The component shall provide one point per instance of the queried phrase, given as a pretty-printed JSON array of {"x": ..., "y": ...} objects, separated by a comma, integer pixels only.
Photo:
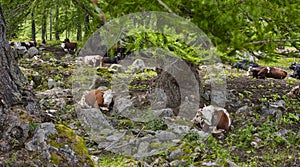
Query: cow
[
  {"x": 94, "y": 60},
  {"x": 244, "y": 64},
  {"x": 27, "y": 45},
  {"x": 296, "y": 67},
  {"x": 212, "y": 119},
  {"x": 112, "y": 60},
  {"x": 267, "y": 72},
  {"x": 69, "y": 46},
  {"x": 293, "y": 66},
  {"x": 94, "y": 98}
]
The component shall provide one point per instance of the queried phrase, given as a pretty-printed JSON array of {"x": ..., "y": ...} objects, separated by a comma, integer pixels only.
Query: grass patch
[{"x": 283, "y": 62}]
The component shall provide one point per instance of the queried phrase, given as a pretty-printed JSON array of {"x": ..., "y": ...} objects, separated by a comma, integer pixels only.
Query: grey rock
[
  {"x": 166, "y": 112},
  {"x": 93, "y": 121},
  {"x": 38, "y": 142},
  {"x": 243, "y": 109},
  {"x": 138, "y": 65},
  {"x": 51, "y": 83},
  {"x": 175, "y": 154},
  {"x": 33, "y": 51},
  {"x": 278, "y": 104},
  {"x": 69, "y": 154},
  {"x": 177, "y": 162},
  {"x": 115, "y": 137},
  {"x": 165, "y": 136},
  {"x": 60, "y": 84},
  {"x": 143, "y": 148},
  {"x": 231, "y": 164}
]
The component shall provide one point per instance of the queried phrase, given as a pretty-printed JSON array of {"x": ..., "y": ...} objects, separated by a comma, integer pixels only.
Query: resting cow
[
  {"x": 70, "y": 46},
  {"x": 244, "y": 64},
  {"x": 94, "y": 98},
  {"x": 112, "y": 60},
  {"x": 268, "y": 72},
  {"x": 296, "y": 67},
  {"x": 212, "y": 119}
]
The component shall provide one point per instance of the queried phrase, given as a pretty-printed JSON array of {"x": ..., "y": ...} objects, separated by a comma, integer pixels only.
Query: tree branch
[
  {"x": 165, "y": 6},
  {"x": 76, "y": 2}
]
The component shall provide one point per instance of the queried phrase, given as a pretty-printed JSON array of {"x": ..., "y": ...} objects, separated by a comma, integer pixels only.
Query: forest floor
[{"x": 255, "y": 138}]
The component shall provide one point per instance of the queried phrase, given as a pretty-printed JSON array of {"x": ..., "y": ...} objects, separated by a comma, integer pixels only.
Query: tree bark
[
  {"x": 11, "y": 77},
  {"x": 56, "y": 26},
  {"x": 13, "y": 97},
  {"x": 44, "y": 26},
  {"x": 50, "y": 26},
  {"x": 79, "y": 33},
  {"x": 86, "y": 25},
  {"x": 33, "y": 32}
]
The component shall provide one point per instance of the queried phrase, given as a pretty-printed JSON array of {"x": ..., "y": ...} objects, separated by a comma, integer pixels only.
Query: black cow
[
  {"x": 112, "y": 60},
  {"x": 293, "y": 65},
  {"x": 296, "y": 67},
  {"x": 28, "y": 44},
  {"x": 244, "y": 64}
]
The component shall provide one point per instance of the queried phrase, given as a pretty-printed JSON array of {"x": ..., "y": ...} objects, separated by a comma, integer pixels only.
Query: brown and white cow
[
  {"x": 69, "y": 46},
  {"x": 267, "y": 72},
  {"x": 94, "y": 98},
  {"x": 212, "y": 119}
]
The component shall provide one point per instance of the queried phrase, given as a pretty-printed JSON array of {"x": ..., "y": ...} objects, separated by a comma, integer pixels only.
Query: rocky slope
[{"x": 139, "y": 130}]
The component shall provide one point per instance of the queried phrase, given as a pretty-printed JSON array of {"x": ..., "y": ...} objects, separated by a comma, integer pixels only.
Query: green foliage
[{"x": 231, "y": 25}]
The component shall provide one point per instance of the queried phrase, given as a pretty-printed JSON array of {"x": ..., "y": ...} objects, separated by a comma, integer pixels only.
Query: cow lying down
[
  {"x": 296, "y": 67},
  {"x": 267, "y": 72},
  {"x": 212, "y": 119},
  {"x": 100, "y": 99}
]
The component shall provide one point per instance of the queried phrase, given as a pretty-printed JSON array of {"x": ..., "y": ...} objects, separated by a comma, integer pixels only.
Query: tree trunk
[
  {"x": 33, "y": 28},
  {"x": 14, "y": 98},
  {"x": 86, "y": 26},
  {"x": 79, "y": 29},
  {"x": 44, "y": 26},
  {"x": 79, "y": 33},
  {"x": 56, "y": 26},
  {"x": 51, "y": 21}
]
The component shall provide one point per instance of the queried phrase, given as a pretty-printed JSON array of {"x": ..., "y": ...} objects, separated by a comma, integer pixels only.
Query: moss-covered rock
[{"x": 64, "y": 139}]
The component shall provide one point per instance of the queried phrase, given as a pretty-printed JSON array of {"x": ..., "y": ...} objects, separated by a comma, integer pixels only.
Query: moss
[
  {"x": 67, "y": 136},
  {"x": 104, "y": 73},
  {"x": 116, "y": 161},
  {"x": 155, "y": 145},
  {"x": 55, "y": 159},
  {"x": 145, "y": 75},
  {"x": 125, "y": 124}
]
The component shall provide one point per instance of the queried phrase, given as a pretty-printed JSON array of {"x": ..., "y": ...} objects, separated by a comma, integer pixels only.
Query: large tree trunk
[
  {"x": 11, "y": 78},
  {"x": 14, "y": 98}
]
